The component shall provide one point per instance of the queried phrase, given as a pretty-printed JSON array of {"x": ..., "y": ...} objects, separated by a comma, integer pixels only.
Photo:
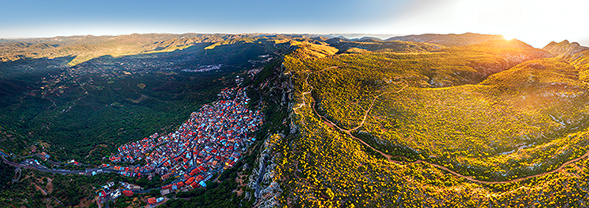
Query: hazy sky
[{"x": 535, "y": 22}]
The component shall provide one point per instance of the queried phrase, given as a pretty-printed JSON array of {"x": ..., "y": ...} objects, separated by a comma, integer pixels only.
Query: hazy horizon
[{"x": 536, "y": 23}]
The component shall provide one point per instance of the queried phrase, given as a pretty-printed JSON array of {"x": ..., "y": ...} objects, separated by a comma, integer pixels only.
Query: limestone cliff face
[{"x": 264, "y": 180}]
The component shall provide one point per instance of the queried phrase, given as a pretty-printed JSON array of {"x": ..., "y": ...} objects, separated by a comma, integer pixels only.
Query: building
[
  {"x": 151, "y": 201},
  {"x": 128, "y": 193}
]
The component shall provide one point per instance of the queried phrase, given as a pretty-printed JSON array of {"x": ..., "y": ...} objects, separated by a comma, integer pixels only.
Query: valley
[{"x": 266, "y": 120}]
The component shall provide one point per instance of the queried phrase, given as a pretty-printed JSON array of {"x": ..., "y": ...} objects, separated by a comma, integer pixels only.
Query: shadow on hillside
[
  {"x": 232, "y": 57},
  {"x": 18, "y": 76}
]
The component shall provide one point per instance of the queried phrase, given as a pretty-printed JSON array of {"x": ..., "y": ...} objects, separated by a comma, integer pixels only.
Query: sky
[{"x": 534, "y": 22}]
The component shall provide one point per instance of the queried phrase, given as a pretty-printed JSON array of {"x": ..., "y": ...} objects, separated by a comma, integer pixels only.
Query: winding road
[
  {"x": 60, "y": 171},
  {"x": 389, "y": 157}
]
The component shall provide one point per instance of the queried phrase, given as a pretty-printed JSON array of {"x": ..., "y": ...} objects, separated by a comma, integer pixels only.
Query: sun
[{"x": 508, "y": 36}]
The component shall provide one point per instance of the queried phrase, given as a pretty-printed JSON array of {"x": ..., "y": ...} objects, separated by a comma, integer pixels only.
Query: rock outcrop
[
  {"x": 565, "y": 49},
  {"x": 263, "y": 180},
  {"x": 574, "y": 53}
]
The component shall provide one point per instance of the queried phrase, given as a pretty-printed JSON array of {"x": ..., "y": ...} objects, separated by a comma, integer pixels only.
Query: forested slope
[{"x": 493, "y": 123}]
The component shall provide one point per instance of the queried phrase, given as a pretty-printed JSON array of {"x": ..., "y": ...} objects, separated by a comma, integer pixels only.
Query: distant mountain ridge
[
  {"x": 449, "y": 39},
  {"x": 371, "y": 44},
  {"x": 359, "y": 35},
  {"x": 84, "y": 48}
]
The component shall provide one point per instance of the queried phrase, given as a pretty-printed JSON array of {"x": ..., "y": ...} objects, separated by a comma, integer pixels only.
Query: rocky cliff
[{"x": 574, "y": 53}]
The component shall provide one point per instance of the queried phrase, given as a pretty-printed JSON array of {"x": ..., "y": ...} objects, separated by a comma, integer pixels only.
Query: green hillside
[{"x": 496, "y": 123}]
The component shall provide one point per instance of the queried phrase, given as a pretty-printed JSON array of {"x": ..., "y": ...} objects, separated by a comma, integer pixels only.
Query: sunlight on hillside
[{"x": 507, "y": 36}]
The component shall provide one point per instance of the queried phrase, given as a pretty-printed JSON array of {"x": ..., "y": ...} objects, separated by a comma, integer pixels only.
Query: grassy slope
[
  {"x": 527, "y": 103},
  {"x": 531, "y": 107}
]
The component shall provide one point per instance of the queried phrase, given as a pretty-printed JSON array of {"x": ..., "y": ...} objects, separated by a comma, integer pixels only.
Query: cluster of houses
[
  {"x": 153, "y": 200},
  {"x": 213, "y": 139},
  {"x": 44, "y": 156},
  {"x": 253, "y": 72},
  {"x": 204, "y": 68},
  {"x": 31, "y": 162},
  {"x": 109, "y": 192}
]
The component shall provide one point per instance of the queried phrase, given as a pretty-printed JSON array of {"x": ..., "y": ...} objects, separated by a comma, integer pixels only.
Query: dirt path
[
  {"x": 365, "y": 113},
  {"x": 389, "y": 157},
  {"x": 45, "y": 193}
]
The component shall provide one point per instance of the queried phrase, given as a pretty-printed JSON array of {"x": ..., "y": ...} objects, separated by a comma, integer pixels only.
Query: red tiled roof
[
  {"x": 128, "y": 193},
  {"x": 151, "y": 200}
]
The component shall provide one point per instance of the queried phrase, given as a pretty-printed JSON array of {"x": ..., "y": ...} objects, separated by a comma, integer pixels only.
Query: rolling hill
[{"x": 480, "y": 122}]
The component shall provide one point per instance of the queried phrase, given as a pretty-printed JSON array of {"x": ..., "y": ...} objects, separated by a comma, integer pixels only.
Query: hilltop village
[{"x": 213, "y": 139}]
